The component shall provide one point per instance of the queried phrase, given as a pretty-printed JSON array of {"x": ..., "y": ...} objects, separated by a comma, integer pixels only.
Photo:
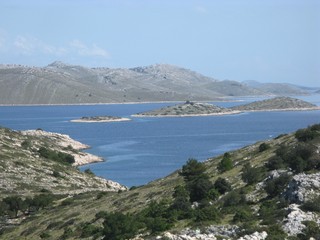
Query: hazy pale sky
[{"x": 267, "y": 41}]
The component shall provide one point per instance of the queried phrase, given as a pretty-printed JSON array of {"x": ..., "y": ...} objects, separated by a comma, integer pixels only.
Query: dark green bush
[
  {"x": 312, "y": 230},
  {"x": 243, "y": 214},
  {"x": 222, "y": 185},
  {"x": 208, "y": 213},
  {"x": 271, "y": 211},
  {"x": 234, "y": 198},
  {"x": 275, "y": 162},
  {"x": 56, "y": 156},
  {"x": 89, "y": 230},
  {"x": 192, "y": 170},
  {"x": 275, "y": 232},
  {"x": 277, "y": 185},
  {"x": 250, "y": 175},
  {"x": 118, "y": 226},
  {"x": 226, "y": 163},
  {"x": 263, "y": 147},
  {"x": 312, "y": 205},
  {"x": 308, "y": 134}
]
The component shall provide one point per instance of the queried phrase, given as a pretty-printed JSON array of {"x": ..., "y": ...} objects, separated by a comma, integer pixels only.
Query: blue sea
[{"x": 144, "y": 149}]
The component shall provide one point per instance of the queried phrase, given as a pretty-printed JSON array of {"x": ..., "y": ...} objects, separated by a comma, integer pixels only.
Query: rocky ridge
[{"x": 60, "y": 83}]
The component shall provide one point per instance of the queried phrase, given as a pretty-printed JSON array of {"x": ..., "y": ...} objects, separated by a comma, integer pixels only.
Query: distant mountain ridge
[{"x": 61, "y": 83}]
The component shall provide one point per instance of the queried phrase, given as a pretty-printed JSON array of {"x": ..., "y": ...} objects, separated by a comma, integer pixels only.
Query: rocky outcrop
[
  {"x": 293, "y": 223},
  {"x": 255, "y": 236},
  {"x": 213, "y": 233},
  {"x": 302, "y": 187},
  {"x": 68, "y": 144},
  {"x": 209, "y": 233}
]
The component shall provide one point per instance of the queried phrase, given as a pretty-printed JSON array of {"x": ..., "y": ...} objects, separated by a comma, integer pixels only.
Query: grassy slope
[{"x": 83, "y": 208}]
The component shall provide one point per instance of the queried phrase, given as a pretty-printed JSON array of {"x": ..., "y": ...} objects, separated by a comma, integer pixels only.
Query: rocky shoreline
[
  {"x": 195, "y": 109},
  {"x": 100, "y": 119},
  {"x": 69, "y": 145}
]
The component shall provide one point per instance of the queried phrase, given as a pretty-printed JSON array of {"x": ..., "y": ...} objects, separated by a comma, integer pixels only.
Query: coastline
[
  {"x": 190, "y": 115},
  {"x": 230, "y": 113},
  {"x": 69, "y": 145},
  {"x": 97, "y": 121},
  {"x": 220, "y": 99}
]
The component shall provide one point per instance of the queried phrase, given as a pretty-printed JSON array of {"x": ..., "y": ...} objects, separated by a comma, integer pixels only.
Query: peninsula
[
  {"x": 188, "y": 109},
  {"x": 101, "y": 119}
]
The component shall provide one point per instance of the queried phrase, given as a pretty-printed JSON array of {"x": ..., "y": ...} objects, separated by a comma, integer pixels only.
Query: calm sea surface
[{"x": 144, "y": 149}]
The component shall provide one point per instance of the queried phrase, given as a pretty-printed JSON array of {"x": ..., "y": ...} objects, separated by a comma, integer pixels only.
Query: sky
[{"x": 266, "y": 41}]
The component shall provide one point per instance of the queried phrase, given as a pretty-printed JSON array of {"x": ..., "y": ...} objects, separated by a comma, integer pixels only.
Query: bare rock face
[
  {"x": 210, "y": 233},
  {"x": 255, "y": 236},
  {"x": 293, "y": 223},
  {"x": 303, "y": 187}
]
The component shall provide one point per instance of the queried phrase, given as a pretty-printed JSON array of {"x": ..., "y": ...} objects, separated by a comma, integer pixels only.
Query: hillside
[
  {"x": 268, "y": 190},
  {"x": 277, "y": 103},
  {"x": 279, "y": 89},
  {"x": 60, "y": 83},
  {"x": 188, "y": 109},
  {"x": 30, "y": 162}
]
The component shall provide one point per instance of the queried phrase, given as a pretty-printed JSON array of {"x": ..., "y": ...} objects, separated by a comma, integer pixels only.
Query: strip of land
[
  {"x": 100, "y": 119},
  {"x": 190, "y": 109},
  {"x": 69, "y": 145}
]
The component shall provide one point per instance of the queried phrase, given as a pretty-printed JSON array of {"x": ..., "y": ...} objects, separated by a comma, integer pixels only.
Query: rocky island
[
  {"x": 188, "y": 109},
  {"x": 276, "y": 104},
  {"x": 101, "y": 119}
]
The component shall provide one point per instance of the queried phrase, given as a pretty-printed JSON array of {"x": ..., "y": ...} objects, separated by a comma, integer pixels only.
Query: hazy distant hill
[
  {"x": 277, "y": 88},
  {"x": 60, "y": 83}
]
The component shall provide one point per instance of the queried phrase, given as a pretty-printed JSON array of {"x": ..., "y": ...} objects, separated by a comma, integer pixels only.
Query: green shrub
[
  {"x": 208, "y": 213},
  {"x": 118, "y": 226},
  {"x": 192, "y": 170},
  {"x": 234, "y": 198},
  {"x": 26, "y": 144},
  {"x": 222, "y": 185},
  {"x": 271, "y": 211},
  {"x": 226, "y": 163},
  {"x": 275, "y": 162},
  {"x": 308, "y": 134},
  {"x": 312, "y": 205},
  {"x": 199, "y": 188},
  {"x": 89, "y": 230},
  {"x": 250, "y": 175},
  {"x": 56, "y": 156},
  {"x": 45, "y": 235},
  {"x": 312, "y": 230},
  {"x": 243, "y": 214},
  {"x": 277, "y": 185},
  {"x": 263, "y": 147},
  {"x": 89, "y": 172},
  {"x": 275, "y": 232}
]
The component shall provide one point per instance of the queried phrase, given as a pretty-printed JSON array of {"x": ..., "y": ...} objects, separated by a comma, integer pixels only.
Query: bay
[{"x": 144, "y": 149}]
